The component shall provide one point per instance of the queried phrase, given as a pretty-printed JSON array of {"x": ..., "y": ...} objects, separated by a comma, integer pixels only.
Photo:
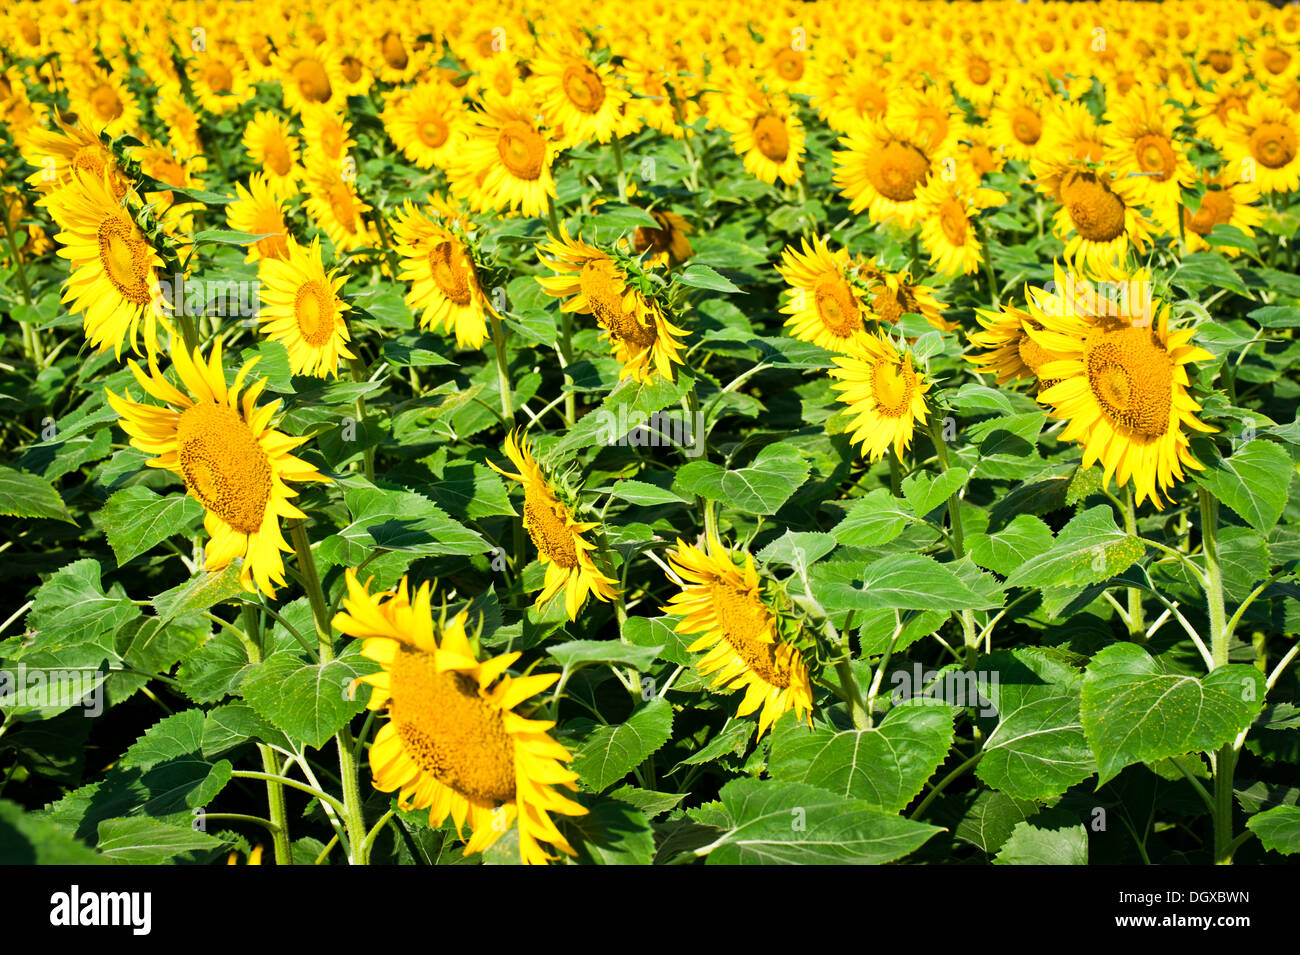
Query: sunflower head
[
  {"x": 884, "y": 392},
  {"x": 456, "y": 741}
]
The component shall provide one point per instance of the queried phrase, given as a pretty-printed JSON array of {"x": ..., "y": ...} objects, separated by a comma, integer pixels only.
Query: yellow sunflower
[
  {"x": 445, "y": 288},
  {"x": 1218, "y": 111},
  {"x": 305, "y": 77},
  {"x": 258, "y": 211},
  {"x": 221, "y": 84},
  {"x": 506, "y": 160},
  {"x": 269, "y": 143},
  {"x": 1016, "y": 122},
  {"x": 1009, "y": 352},
  {"x": 826, "y": 301},
  {"x": 768, "y": 137},
  {"x": 667, "y": 245},
  {"x": 64, "y": 154},
  {"x": 724, "y": 603},
  {"x": 948, "y": 214},
  {"x": 454, "y": 743},
  {"x": 592, "y": 282},
  {"x": 1264, "y": 144},
  {"x": 894, "y": 294},
  {"x": 1226, "y": 201},
  {"x": 231, "y": 460},
  {"x": 425, "y": 122},
  {"x": 577, "y": 95},
  {"x": 879, "y": 171},
  {"x": 302, "y": 310},
  {"x": 557, "y": 535},
  {"x": 1099, "y": 219},
  {"x": 104, "y": 104},
  {"x": 884, "y": 393},
  {"x": 1145, "y": 147},
  {"x": 326, "y": 133},
  {"x": 114, "y": 279},
  {"x": 1120, "y": 381},
  {"x": 334, "y": 206}
]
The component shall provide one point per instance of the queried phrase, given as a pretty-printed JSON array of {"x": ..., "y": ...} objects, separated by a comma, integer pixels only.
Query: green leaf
[
  {"x": 873, "y": 520},
  {"x": 1061, "y": 843},
  {"x": 26, "y": 495},
  {"x": 229, "y": 237},
  {"x": 170, "y": 738},
  {"x": 798, "y": 549},
  {"x": 72, "y": 610},
  {"x": 578, "y": 653},
  {"x": 647, "y": 495},
  {"x": 1253, "y": 482},
  {"x": 1135, "y": 712},
  {"x": 611, "y": 833},
  {"x": 788, "y": 823},
  {"x": 307, "y": 701},
  {"x": 611, "y": 752},
  {"x": 140, "y": 841},
  {"x": 1277, "y": 316},
  {"x": 205, "y": 589},
  {"x": 1089, "y": 549},
  {"x": 924, "y": 492},
  {"x": 1278, "y": 829},
  {"x": 1038, "y": 749},
  {"x": 400, "y": 521},
  {"x": 992, "y": 817},
  {"x": 136, "y": 518},
  {"x": 702, "y": 276},
  {"x": 1200, "y": 269},
  {"x": 885, "y": 766},
  {"x": 759, "y": 488},
  {"x": 28, "y": 839},
  {"x": 899, "y": 581},
  {"x": 1022, "y": 541}
]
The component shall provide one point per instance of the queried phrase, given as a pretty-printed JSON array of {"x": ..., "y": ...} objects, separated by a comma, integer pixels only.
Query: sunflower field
[{"x": 491, "y": 431}]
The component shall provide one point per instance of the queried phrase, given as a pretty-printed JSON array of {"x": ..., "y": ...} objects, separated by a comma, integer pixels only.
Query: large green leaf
[
  {"x": 397, "y": 520},
  {"x": 27, "y": 495},
  {"x": 759, "y": 488},
  {"x": 1278, "y": 829},
  {"x": 136, "y": 518},
  {"x": 1253, "y": 482},
  {"x": 901, "y": 582},
  {"x": 1089, "y": 549},
  {"x": 307, "y": 701},
  {"x": 611, "y": 752},
  {"x": 142, "y": 841}
]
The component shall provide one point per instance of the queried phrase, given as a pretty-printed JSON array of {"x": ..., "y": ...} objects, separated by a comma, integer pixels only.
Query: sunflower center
[
  {"x": 1032, "y": 353},
  {"x": 583, "y": 87},
  {"x": 31, "y": 33},
  {"x": 604, "y": 290},
  {"x": 952, "y": 219},
  {"x": 344, "y": 205},
  {"x": 522, "y": 149},
  {"x": 352, "y": 69},
  {"x": 1229, "y": 104},
  {"x": 978, "y": 70},
  {"x": 744, "y": 620},
  {"x": 896, "y": 170},
  {"x": 771, "y": 137},
  {"x": 838, "y": 308},
  {"x": 1155, "y": 155},
  {"x": 1026, "y": 126},
  {"x": 450, "y": 731},
  {"x": 433, "y": 132},
  {"x": 651, "y": 240},
  {"x": 892, "y": 386},
  {"x": 483, "y": 42},
  {"x": 1276, "y": 60},
  {"x": 1216, "y": 208},
  {"x": 331, "y": 140},
  {"x": 125, "y": 256},
  {"x": 219, "y": 78},
  {"x": 549, "y": 530},
  {"x": 1097, "y": 213},
  {"x": 313, "y": 82},
  {"x": 224, "y": 464},
  {"x": 106, "y": 103},
  {"x": 276, "y": 156},
  {"x": 789, "y": 64},
  {"x": 871, "y": 102},
  {"x": 1220, "y": 61},
  {"x": 1132, "y": 379},
  {"x": 503, "y": 82},
  {"x": 393, "y": 52},
  {"x": 313, "y": 310},
  {"x": 452, "y": 271},
  {"x": 1274, "y": 144}
]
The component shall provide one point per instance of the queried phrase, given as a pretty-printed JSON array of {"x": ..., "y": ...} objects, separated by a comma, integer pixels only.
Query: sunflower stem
[
  {"x": 987, "y": 259},
  {"x": 1137, "y": 624},
  {"x": 970, "y": 635},
  {"x": 368, "y": 455},
  {"x": 503, "y": 369},
  {"x": 31, "y": 337},
  {"x": 622, "y": 175},
  {"x": 279, "y": 823},
  {"x": 1225, "y": 760}
]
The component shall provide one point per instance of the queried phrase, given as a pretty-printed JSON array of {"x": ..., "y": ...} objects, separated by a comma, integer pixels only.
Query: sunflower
[
  {"x": 437, "y": 261},
  {"x": 667, "y": 245},
  {"x": 931, "y": 117},
  {"x": 1016, "y": 123},
  {"x": 334, "y": 206},
  {"x": 847, "y": 99},
  {"x": 880, "y": 171},
  {"x": 577, "y": 95},
  {"x": 1144, "y": 147},
  {"x": 454, "y": 743},
  {"x": 220, "y": 84},
  {"x": 948, "y": 228},
  {"x": 63, "y": 155},
  {"x": 114, "y": 269},
  {"x": 1218, "y": 111},
  {"x": 592, "y": 282},
  {"x": 885, "y": 395},
  {"x": 326, "y": 133},
  {"x": 1010, "y": 353},
  {"x": 561, "y": 548},
  {"x": 894, "y": 294},
  {"x": 231, "y": 460},
  {"x": 1099, "y": 219},
  {"x": 258, "y": 211},
  {"x": 270, "y": 144},
  {"x": 1226, "y": 201},
  {"x": 425, "y": 123},
  {"x": 826, "y": 302},
  {"x": 1071, "y": 138},
  {"x": 724, "y": 603},
  {"x": 305, "y": 77},
  {"x": 302, "y": 310},
  {"x": 1120, "y": 383},
  {"x": 768, "y": 137},
  {"x": 104, "y": 104},
  {"x": 1264, "y": 143},
  {"x": 976, "y": 73},
  {"x": 506, "y": 160},
  {"x": 394, "y": 56},
  {"x": 181, "y": 124}
]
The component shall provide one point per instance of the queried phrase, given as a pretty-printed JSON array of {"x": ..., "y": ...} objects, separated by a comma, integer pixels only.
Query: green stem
[
  {"x": 934, "y": 793},
  {"x": 970, "y": 636},
  {"x": 274, "y": 789},
  {"x": 1225, "y": 760},
  {"x": 622, "y": 176},
  {"x": 368, "y": 456},
  {"x": 503, "y": 369},
  {"x": 1137, "y": 624},
  {"x": 857, "y": 708}
]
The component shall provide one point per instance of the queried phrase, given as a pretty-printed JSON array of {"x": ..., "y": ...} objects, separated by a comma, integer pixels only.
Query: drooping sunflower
[
  {"x": 335, "y": 206},
  {"x": 725, "y": 604},
  {"x": 1227, "y": 200},
  {"x": 592, "y": 282},
  {"x": 114, "y": 274},
  {"x": 895, "y": 294},
  {"x": 826, "y": 304},
  {"x": 1009, "y": 351},
  {"x": 231, "y": 460},
  {"x": 455, "y": 743},
  {"x": 257, "y": 210},
  {"x": 1120, "y": 381},
  {"x": 302, "y": 310},
  {"x": 885, "y": 395},
  {"x": 269, "y": 142},
  {"x": 667, "y": 245},
  {"x": 1100, "y": 219},
  {"x": 879, "y": 171},
  {"x": 435, "y": 259},
  {"x": 576, "y": 94},
  {"x": 1264, "y": 144},
  {"x": 557, "y": 535},
  {"x": 506, "y": 160}
]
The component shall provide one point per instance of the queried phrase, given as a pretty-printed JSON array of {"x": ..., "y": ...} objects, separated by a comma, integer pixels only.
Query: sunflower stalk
[
  {"x": 970, "y": 636},
  {"x": 622, "y": 173},
  {"x": 1137, "y": 624},
  {"x": 1225, "y": 760},
  {"x": 252, "y": 632},
  {"x": 368, "y": 455}
]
